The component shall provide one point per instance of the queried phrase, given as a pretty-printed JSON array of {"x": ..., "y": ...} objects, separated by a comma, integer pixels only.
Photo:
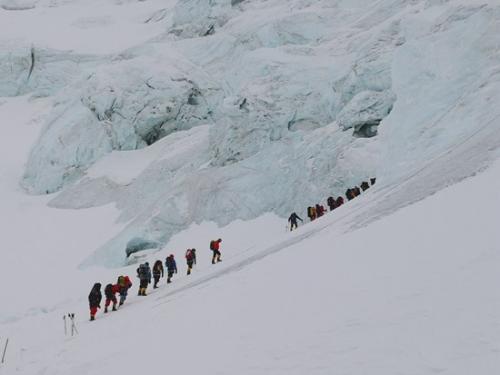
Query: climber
[
  {"x": 144, "y": 275},
  {"x": 293, "y": 220},
  {"x": 364, "y": 186},
  {"x": 310, "y": 213},
  {"x": 110, "y": 292},
  {"x": 157, "y": 273},
  {"x": 349, "y": 194},
  {"x": 339, "y": 202},
  {"x": 357, "y": 191},
  {"x": 320, "y": 210},
  {"x": 331, "y": 203},
  {"x": 125, "y": 284},
  {"x": 95, "y": 297},
  {"x": 171, "y": 267},
  {"x": 215, "y": 247},
  {"x": 190, "y": 259}
]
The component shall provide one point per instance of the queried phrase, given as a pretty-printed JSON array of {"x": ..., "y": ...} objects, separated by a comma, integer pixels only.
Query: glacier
[{"x": 271, "y": 106}]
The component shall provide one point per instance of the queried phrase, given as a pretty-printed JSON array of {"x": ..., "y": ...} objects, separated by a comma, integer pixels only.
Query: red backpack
[{"x": 189, "y": 254}]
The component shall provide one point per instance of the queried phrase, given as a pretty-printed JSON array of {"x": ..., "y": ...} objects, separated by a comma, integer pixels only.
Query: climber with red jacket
[
  {"x": 215, "y": 247},
  {"x": 190, "y": 259},
  {"x": 110, "y": 292}
]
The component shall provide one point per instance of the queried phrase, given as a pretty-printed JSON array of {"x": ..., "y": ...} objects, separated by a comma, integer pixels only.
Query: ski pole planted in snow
[
  {"x": 5, "y": 350},
  {"x": 73, "y": 324}
]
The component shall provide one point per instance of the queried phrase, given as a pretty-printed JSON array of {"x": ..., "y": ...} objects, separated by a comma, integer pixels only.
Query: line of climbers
[
  {"x": 145, "y": 274},
  {"x": 318, "y": 210}
]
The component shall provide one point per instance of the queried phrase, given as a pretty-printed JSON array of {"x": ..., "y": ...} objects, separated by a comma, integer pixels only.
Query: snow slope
[{"x": 410, "y": 293}]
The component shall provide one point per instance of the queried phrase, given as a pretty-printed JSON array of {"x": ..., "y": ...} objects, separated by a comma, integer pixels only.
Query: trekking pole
[
  {"x": 65, "y": 326},
  {"x": 5, "y": 350},
  {"x": 73, "y": 324}
]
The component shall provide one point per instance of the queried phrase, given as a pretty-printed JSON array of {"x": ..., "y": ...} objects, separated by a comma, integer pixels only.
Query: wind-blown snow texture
[{"x": 280, "y": 96}]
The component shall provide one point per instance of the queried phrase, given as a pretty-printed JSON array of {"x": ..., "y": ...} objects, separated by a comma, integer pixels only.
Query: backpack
[
  {"x": 121, "y": 281},
  {"x": 212, "y": 245},
  {"x": 170, "y": 263},
  {"x": 127, "y": 283},
  {"x": 189, "y": 254},
  {"x": 158, "y": 266},
  {"x": 108, "y": 290},
  {"x": 142, "y": 270}
]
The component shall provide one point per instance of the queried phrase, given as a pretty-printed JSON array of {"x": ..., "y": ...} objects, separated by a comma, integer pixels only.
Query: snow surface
[
  {"x": 181, "y": 122},
  {"x": 411, "y": 293}
]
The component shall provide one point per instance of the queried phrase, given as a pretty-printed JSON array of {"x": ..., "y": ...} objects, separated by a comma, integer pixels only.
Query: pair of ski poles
[{"x": 71, "y": 317}]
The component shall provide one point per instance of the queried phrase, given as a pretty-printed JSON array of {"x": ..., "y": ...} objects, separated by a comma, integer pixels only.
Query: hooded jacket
[{"x": 95, "y": 295}]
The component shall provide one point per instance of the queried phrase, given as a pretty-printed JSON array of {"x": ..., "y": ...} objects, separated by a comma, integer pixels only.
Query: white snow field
[{"x": 166, "y": 124}]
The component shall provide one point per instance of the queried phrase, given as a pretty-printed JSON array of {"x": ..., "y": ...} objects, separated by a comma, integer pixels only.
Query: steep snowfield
[
  {"x": 176, "y": 122},
  {"x": 410, "y": 293}
]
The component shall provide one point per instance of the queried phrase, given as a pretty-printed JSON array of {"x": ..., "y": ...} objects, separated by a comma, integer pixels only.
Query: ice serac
[
  {"x": 194, "y": 18},
  {"x": 365, "y": 112},
  {"x": 72, "y": 141},
  {"x": 127, "y": 104},
  {"x": 40, "y": 71}
]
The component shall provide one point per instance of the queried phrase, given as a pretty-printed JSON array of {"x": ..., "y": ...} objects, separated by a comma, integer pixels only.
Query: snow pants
[
  {"x": 123, "y": 296},
  {"x": 156, "y": 279},
  {"x": 170, "y": 273},
  {"x": 109, "y": 300},
  {"x": 190, "y": 266},
  {"x": 216, "y": 256}
]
